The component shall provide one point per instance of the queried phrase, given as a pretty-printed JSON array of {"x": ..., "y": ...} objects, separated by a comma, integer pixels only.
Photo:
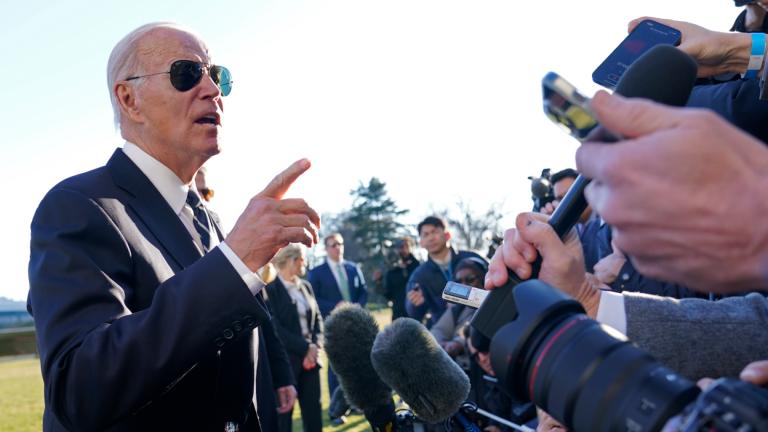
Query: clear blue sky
[{"x": 439, "y": 99}]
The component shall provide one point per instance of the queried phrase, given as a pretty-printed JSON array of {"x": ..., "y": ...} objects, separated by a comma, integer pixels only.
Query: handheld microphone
[
  {"x": 408, "y": 358},
  {"x": 665, "y": 75},
  {"x": 349, "y": 335}
]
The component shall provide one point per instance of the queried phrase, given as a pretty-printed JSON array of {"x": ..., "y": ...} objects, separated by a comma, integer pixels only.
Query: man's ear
[
  {"x": 447, "y": 235},
  {"x": 127, "y": 100}
]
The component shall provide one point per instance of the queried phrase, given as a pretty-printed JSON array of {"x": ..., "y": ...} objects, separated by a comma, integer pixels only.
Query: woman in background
[{"x": 297, "y": 318}]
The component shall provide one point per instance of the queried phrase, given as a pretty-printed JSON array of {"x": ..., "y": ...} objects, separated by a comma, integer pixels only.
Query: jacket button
[
  {"x": 219, "y": 342},
  {"x": 237, "y": 327},
  {"x": 228, "y": 334}
]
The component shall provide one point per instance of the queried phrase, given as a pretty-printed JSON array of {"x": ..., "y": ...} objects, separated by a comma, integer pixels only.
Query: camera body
[
  {"x": 589, "y": 377},
  {"x": 541, "y": 189}
]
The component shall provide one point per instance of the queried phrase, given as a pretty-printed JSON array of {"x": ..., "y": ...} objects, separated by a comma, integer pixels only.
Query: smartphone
[
  {"x": 569, "y": 109},
  {"x": 455, "y": 292},
  {"x": 645, "y": 36},
  {"x": 566, "y": 107}
]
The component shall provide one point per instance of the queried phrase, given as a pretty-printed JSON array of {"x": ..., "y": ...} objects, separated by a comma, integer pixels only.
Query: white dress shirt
[
  {"x": 174, "y": 192},
  {"x": 611, "y": 311}
]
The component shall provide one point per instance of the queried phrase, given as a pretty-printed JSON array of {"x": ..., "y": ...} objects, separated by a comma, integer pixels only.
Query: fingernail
[{"x": 748, "y": 374}]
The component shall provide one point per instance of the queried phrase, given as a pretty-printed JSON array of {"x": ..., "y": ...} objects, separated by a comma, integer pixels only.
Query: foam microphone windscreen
[
  {"x": 408, "y": 358},
  {"x": 664, "y": 74},
  {"x": 349, "y": 334}
]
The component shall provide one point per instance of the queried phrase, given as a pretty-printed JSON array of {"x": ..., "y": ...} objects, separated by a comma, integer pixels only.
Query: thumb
[
  {"x": 280, "y": 184},
  {"x": 634, "y": 23},
  {"x": 756, "y": 372}
]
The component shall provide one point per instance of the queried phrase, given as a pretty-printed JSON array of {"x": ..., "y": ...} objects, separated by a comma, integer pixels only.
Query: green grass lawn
[{"x": 21, "y": 395}]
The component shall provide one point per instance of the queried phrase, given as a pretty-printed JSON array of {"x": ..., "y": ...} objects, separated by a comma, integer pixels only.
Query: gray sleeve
[
  {"x": 444, "y": 328},
  {"x": 699, "y": 338}
]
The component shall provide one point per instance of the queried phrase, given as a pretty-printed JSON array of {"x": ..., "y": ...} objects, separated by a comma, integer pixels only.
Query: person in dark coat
[
  {"x": 299, "y": 324},
  {"x": 396, "y": 279}
]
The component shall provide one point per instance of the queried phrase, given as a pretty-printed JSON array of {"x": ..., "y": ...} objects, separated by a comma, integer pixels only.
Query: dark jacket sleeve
[
  {"x": 102, "y": 361},
  {"x": 629, "y": 279},
  {"x": 736, "y": 101},
  {"x": 279, "y": 365},
  {"x": 415, "y": 312},
  {"x": 318, "y": 330}
]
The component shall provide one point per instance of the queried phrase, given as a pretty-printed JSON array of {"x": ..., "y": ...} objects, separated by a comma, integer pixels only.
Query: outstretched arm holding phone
[{"x": 715, "y": 52}]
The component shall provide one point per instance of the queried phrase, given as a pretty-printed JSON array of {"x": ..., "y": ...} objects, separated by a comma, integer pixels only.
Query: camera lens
[{"x": 584, "y": 374}]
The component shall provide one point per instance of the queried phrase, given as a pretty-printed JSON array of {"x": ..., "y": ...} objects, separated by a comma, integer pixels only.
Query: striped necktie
[{"x": 201, "y": 221}]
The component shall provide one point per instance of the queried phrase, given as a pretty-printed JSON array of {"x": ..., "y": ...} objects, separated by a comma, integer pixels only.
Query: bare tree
[{"x": 473, "y": 230}]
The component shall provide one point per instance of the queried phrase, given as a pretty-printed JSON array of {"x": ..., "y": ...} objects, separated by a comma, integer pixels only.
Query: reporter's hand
[
  {"x": 286, "y": 397},
  {"x": 308, "y": 364},
  {"x": 756, "y": 373},
  {"x": 547, "y": 423},
  {"x": 416, "y": 297},
  {"x": 549, "y": 207},
  {"x": 715, "y": 52},
  {"x": 708, "y": 185},
  {"x": 607, "y": 269},
  {"x": 312, "y": 353},
  {"x": 453, "y": 348},
  {"x": 562, "y": 263},
  {"x": 270, "y": 222}
]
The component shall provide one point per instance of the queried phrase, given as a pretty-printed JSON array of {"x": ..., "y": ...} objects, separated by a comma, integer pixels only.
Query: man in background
[{"x": 336, "y": 281}]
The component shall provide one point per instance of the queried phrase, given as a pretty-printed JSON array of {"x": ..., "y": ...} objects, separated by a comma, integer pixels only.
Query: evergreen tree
[{"x": 373, "y": 219}]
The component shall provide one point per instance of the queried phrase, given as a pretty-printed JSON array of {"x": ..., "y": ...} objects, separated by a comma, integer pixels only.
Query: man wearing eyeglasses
[{"x": 145, "y": 312}]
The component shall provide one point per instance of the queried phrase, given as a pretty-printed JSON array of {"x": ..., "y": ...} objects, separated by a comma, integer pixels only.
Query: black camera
[
  {"x": 590, "y": 378},
  {"x": 541, "y": 189}
]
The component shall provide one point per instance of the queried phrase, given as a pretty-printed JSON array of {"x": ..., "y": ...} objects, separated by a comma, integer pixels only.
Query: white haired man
[{"x": 145, "y": 312}]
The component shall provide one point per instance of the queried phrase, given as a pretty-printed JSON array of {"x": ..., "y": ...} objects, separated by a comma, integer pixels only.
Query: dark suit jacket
[
  {"x": 273, "y": 371},
  {"x": 286, "y": 320},
  {"x": 327, "y": 289},
  {"x": 395, "y": 282},
  {"x": 136, "y": 331}
]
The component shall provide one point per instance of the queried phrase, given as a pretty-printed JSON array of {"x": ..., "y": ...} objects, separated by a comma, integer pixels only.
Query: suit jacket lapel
[
  {"x": 216, "y": 222},
  {"x": 153, "y": 210}
]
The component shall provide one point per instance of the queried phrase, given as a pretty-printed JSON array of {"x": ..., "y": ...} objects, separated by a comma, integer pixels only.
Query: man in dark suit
[
  {"x": 336, "y": 281},
  {"x": 145, "y": 313}
]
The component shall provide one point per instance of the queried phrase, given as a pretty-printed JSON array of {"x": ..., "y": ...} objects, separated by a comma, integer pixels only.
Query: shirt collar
[{"x": 170, "y": 186}]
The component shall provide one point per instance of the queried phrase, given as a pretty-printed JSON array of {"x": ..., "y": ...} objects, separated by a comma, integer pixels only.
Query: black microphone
[
  {"x": 663, "y": 74},
  {"x": 349, "y": 334},
  {"x": 408, "y": 358}
]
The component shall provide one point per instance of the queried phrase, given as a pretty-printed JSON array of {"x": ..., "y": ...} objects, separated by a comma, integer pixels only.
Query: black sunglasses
[{"x": 186, "y": 74}]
